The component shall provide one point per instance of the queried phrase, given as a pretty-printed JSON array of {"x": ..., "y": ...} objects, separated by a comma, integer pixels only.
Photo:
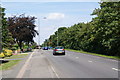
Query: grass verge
[
  {"x": 111, "y": 57},
  {"x": 16, "y": 56},
  {"x": 8, "y": 64}
]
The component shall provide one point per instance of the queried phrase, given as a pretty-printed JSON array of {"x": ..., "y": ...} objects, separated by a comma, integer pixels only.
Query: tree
[
  {"x": 6, "y": 37},
  {"x": 22, "y": 29},
  {"x": 106, "y": 27},
  {"x": 101, "y": 35}
]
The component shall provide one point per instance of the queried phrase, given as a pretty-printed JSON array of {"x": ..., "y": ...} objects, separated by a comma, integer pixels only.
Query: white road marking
[
  {"x": 51, "y": 65},
  {"x": 22, "y": 71},
  {"x": 50, "y": 71},
  {"x": 54, "y": 71},
  {"x": 115, "y": 60},
  {"x": 90, "y": 61},
  {"x": 115, "y": 69},
  {"x": 76, "y": 57}
]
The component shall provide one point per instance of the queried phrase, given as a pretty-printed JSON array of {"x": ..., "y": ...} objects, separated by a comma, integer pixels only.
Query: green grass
[
  {"x": 112, "y": 57},
  {"x": 8, "y": 65},
  {"x": 11, "y": 63},
  {"x": 16, "y": 56}
]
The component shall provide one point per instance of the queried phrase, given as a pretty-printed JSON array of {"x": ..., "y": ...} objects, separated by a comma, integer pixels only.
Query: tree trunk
[
  {"x": 28, "y": 44},
  {"x": 20, "y": 45}
]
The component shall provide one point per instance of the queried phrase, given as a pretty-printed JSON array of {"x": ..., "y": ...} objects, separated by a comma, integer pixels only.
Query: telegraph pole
[
  {"x": 38, "y": 32},
  {"x": 39, "y": 29}
]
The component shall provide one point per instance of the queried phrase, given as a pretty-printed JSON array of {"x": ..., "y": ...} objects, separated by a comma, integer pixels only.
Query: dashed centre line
[
  {"x": 76, "y": 57},
  {"x": 90, "y": 61},
  {"x": 115, "y": 69},
  {"x": 115, "y": 60}
]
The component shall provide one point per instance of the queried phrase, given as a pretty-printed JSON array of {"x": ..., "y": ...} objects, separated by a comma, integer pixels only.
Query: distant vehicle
[
  {"x": 29, "y": 49},
  {"x": 59, "y": 50},
  {"x": 50, "y": 47},
  {"x": 37, "y": 47},
  {"x": 45, "y": 48}
]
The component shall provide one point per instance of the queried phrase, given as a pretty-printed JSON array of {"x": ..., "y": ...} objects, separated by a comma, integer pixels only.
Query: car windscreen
[{"x": 59, "y": 48}]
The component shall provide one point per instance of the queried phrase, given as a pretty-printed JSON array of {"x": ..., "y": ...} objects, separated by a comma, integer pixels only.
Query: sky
[
  {"x": 51, "y": 0},
  {"x": 51, "y": 15}
]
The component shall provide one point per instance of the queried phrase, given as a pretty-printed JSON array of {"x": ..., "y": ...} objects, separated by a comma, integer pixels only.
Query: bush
[
  {"x": 13, "y": 48},
  {"x": 2, "y": 55},
  {"x": 7, "y": 52}
]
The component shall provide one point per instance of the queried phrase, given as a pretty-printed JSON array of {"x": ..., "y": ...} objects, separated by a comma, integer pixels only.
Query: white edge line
[{"x": 22, "y": 71}]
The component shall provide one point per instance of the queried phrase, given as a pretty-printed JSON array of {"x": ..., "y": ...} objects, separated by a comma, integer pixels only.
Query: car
[
  {"x": 50, "y": 47},
  {"x": 45, "y": 48},
  {"x": 29, "y": 49},
  {"x": 59, "y": 50}
]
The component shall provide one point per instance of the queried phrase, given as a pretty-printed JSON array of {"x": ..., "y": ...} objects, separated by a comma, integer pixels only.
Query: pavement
[
  {"x": 12, "y": 72},
  {"x": 43, "y": 64}
]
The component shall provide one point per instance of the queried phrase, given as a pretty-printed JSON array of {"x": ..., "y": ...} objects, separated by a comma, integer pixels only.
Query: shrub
[
  {"x": 2, "y": 55},
  {"x": 7, "y": 52}
]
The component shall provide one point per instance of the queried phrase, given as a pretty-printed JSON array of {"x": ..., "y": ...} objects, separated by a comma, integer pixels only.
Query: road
[
  {"x": 76, "y": 65},
  {"x": 42, "y": 64}
]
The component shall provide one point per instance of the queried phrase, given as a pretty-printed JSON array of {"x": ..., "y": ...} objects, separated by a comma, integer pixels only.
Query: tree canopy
[
  {"x": 22, "y": 28},
  {"x": 101, "y": 35},
  {"x": 6, "y": 37}
]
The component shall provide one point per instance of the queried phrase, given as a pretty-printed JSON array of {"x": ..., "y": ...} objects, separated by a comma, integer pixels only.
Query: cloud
[{"x": 55, "y": 16}]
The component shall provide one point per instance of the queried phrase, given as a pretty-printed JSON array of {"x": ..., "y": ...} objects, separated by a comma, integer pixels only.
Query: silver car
[{"x": 59, "y": 50}]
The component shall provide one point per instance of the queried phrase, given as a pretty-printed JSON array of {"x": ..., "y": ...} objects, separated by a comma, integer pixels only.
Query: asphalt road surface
[
  {"x": 43, "y": 64},
  {"x": 77, "y": 65}
]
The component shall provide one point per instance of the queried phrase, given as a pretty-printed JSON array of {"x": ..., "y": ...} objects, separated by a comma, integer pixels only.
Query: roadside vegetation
[
  {"x": 100, "y": 36},
  {"x": 10, "y": 63},
  {"x": 16, "y": 56},
  {"x": 95, "y": 54},
  {"x": 16, "y": 34}
]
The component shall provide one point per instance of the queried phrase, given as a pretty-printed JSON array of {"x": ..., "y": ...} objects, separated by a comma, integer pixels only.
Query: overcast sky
[{"x": 57, "y": 13}]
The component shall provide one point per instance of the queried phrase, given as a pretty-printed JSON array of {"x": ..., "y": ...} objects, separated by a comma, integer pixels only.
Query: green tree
[
  {"x": 106, "y": 27},
  {"x": 101, "y": 35},
  {"x": 6, "y": 37}
]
